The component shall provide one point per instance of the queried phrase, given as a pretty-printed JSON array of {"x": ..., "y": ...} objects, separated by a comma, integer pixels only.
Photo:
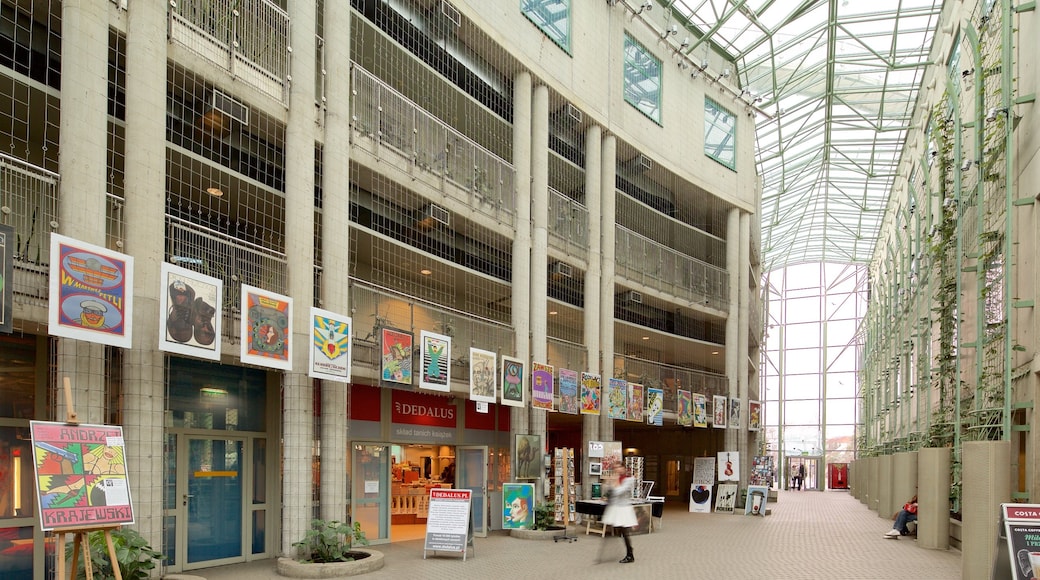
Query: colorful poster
[
  {"x": 189, "y": 312},
  {"x": 517, "y": 506},
  {"x": 700, "y": 498},
  {"x": 80, "y": 475},
  {"x": 266, "y": 328},
  {"x": 762, "y": 471},
  {"x": 529, "y": 453},
  {"x": 542, "y": 386},
  {"x": 729, "y": 466},
  {"x": 700, "y": 410},
  {"x": 734, "y": 413},
  {"x": 513, "y": 392},
  {"x": 718, "y": 411},
  {"x": 726, "y": 498},
  {"x": 635, "y": 402},
  {"x": 436, "y": 361},
  {"x": 91, "y": 292},
  {"x": 590, "y": 394},
  {"x": 684, "y": 414},
  {"x": 569, "y": 391},
  {"x": 611, "y": 459},
  {"x": 331, "y": 346},
  {"x": 7, "y": 244},
  {"x": 483, "y": 367},
  {"x": 396, "y": 356},
  {"x": 754, "y": 416},
  {"x": 655, "y": 406},
  {"x": 617, "y": 399},
  {"x": 755, "y": 504}
]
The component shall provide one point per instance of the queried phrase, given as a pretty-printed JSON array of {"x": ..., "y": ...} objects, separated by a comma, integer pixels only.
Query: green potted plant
[
  {"x": 330, "y": 549},
  {"x": 545, "y": 527},
  {"x": 134, "y": 556}
]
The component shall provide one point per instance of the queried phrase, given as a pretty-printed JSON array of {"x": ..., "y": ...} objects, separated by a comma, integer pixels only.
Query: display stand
[{"x": 564, "y": 493}]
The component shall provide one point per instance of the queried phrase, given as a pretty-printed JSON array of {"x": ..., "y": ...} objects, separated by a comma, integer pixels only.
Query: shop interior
[{"x": 417, "y": 468}]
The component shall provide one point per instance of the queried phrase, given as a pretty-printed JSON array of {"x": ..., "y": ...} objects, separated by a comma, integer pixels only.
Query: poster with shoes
[
  {"x": 189, "y": 311},
  {"x": 266, "y": 328}
]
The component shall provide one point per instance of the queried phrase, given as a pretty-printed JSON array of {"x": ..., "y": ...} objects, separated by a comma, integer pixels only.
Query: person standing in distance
[{"x": 801, "y": 476}]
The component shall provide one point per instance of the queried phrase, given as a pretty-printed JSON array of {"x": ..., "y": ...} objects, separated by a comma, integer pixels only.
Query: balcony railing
[
  {"x": 386, "y": 118},
  {"x": 568, "y": 224},
  {"x": 248, "y": 38},
  {"x": 670, "y": 378},
  {"x": 655, "y": 265},
  {"x": 29, "y": 204}
]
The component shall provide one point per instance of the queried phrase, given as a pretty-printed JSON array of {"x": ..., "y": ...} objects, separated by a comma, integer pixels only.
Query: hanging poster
[
  {"x": 542, "y": 388},
  {"x": 513, "y": 391},
  {"x": 91, "y": 292},
  {"x": 734, "y": 413},
  {"x": 483, "y": 368},
  {"x": 754, "y": 416},
  {"x": 729, "y": 466},
  {"x": 396, "y": 356},
  {"x": 331, "y": 346},
  {"x": 529, "y": 454},
  {"x": 189, "y": 318},
  {"x": 635, "y": 402},
  {"x": 590, "y": 394},
  {"x": 755, "y": 503},
  {"x": 655, "y": 406},
  {"x": 81, "y": 475},
  {"x": 617, "y": 399},
  {"x": 684, "y": 415},
  {"x": 517, "y": 506},
  {"x": 611, "y": 459},
  {"x": 726, "y": 497},
  {"x": 436, "y": 361},
  {"x": 700, "y": 410},
  {"x": 569, "y": 391},
  {"x": 266, "y": 328},
  {"x": 7, "y": 244},
  {"x": 719, "y": 411}
]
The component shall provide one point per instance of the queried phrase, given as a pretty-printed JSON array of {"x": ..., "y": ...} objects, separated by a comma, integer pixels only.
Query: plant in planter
[
  {"x": 544, "y": 518},
  {"x": 133, "y": 554},
  {"x": 331, "y": 541}
]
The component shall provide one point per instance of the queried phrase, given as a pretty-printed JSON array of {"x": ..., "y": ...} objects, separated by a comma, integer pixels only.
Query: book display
[
  {"x": 563, "y": 490},
  {"x": 635, "y": 469}
]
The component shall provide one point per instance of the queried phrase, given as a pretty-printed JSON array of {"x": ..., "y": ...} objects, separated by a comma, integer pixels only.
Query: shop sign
[
  {"x": 448, "y": 525},
  {"x": 1022, "y": 525},
  {"x": 415, "y": 416}
]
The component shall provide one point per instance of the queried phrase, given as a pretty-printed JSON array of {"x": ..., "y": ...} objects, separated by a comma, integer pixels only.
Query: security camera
[
  {"x": 685, "y": 42},
  {"x": 966, "y": 165},
  {"x": 646, "y": 7}
]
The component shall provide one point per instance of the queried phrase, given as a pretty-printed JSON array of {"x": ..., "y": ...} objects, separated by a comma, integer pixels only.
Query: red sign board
[
  {"x": 1021, "y": 511},
  {"x": 409, "y": 408}
]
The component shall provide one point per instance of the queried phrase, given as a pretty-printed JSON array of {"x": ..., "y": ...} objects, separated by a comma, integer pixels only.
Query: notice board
[{"x": 448, "y": 525}]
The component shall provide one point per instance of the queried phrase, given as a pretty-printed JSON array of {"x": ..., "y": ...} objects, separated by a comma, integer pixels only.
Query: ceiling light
[
  {"x": 214, "y": 191},
  {"x": 553, "y": 313},
  {"x": 426, "y": 271},
  {"x": 646, "y": 338},
  {"x": 714, "y": 352}
]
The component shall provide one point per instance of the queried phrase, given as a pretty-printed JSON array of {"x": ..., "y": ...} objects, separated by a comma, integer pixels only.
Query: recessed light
[
  {"x": 553, "y": 313},
  {"x": 214, "y": 191},
  {"x": 714, "y": 352},
  {"x": 646, "y": 338},
  {"x": 426, "y": 271}
]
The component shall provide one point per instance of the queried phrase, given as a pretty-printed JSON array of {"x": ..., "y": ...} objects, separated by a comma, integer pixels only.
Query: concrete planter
[
  {"x": 293, "y": 569},
  {"x": 537, "y": 534}
]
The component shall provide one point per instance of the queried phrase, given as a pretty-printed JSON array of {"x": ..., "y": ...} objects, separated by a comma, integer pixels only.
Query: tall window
[
  {"x": 553, "y": 17},
  {"x": 642, "y": 79},
  {"x": 720, "y": 134}
]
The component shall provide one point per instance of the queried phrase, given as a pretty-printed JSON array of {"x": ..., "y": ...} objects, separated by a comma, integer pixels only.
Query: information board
[
  {"x": 448, "y": 525},
  {"x": 81, "y": 477},
  {"x": 1022, "y": 524}
]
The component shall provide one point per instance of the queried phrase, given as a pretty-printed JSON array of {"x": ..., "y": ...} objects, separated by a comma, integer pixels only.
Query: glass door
[
  {"x": 370, "y": 490},
  {"x": 212, "y": 497},
  {"x": 471, "y": 469}
]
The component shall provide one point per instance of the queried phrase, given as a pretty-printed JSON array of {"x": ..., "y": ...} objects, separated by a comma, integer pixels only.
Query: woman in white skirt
[{"x": 619, "y": 513}]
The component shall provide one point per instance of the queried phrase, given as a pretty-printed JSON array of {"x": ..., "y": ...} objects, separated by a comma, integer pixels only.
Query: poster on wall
[
  {"x": 655, "y": 406},
  {"x": 517, "y": 506},
  {"x": 569, "y": 391},
  {"x": 734, "y": 413},
  {"x": 436, "y": 361},
  {"x": 590, "y": 394},
  {"x": 81, "y": 475},
  {"x": 754, "y": 416},
  {"x": 617, "y": 399},
  {"x": 331, "y": 346},
  {"x": 529, "y": 455},
  {"x": 91, "y": 292},
  {"x": 395, "y": 356},
  {"x": 513, "y": 391},
  {"x": 189, "y": 316},
  {"x": 719, "y": 411},
  {"x": 729, "y": 466},
  {"x": 700, "y": 410},
  {"x": 7, "y": 243},
  {"x": 684, "y": 413},
  {"x": 266, "y": 328},
  {"x": 635, "y": 402},
  {"x": 726, "y": 498},
  {"x": 542, "y": 386},
  {"x": 483, "y": 367}
]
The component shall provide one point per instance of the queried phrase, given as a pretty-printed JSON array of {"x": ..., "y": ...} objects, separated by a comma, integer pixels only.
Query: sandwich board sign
[{"x": 449, "y": 527}]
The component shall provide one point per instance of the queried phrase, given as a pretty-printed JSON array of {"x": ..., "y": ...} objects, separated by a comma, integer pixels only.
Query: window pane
[
  {"x": 553, "y": 17},
  {"x": 841, "y": 411},
  {"x": 642, "y": 79},
  {"x": 18, "y": 377},
  {"x": 802, "y": 412},
  {"x": 720, "y": 134}
]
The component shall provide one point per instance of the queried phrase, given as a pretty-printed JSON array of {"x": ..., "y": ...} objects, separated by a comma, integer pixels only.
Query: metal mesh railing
[
  {"x": 568, "y": 224},
  {"x": 655, "y": 265},
  {"x": 29, "y": 204}
]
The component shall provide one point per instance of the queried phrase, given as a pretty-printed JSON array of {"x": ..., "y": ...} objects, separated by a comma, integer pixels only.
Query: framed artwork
[
  {"x": 331, "y": 346},
  {"x": 684, "y": 413},
  {"x": 617, "y": 399},
  {"x": 528, "y": 456},
  {"x": 755, "y": 504},
  {"x": 266, "y": 328},
  {"x": 719, "y": 411},
  {"x": 483, "y": 367},
  {"x": 517, "y": 506},
  {"x": 590, "y": 394},
  {"x": 726, "y": 497},
  {"x": 7, "y": 244},
  {"x": 189, "y": 317},
  {"x": 436, "y": 361},
  {"x": 395, "y": 356},
  {"x": 729, "y": 466},
  {"x": 700, "y": 498},
  {"x": 734, "y": 413},
  {"x": 513, "y": 391},
  {"x": 635, "y": 402},
  {"x": 543, "y": 387},
  {"x": 569, "y": 391},
  {"x": 754, "y": 415},
  {"x": 655, "y": 406},
  {"x": 91, "y": 292},
  {"x": 700, "y": 410},
  {"x": 596, "y": 469},
  {"x": 611, "y": 456}
]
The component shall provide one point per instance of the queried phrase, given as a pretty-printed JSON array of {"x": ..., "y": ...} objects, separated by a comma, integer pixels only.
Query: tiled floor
[{"x": 808, "y": 536}]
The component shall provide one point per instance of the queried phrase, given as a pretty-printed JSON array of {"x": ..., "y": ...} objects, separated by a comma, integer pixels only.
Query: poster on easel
[
  {"x": 448, "y": 523},
  {"x": 81, "y": 475}
]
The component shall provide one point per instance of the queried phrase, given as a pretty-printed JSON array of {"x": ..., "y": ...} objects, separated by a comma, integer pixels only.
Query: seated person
[{"x": 905, "y": 515}]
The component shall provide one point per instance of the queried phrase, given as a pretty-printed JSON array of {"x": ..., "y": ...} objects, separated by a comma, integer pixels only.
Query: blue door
[{"x": 214, "y": 501}]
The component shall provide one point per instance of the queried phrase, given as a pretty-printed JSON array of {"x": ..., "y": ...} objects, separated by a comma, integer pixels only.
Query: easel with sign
[{"x": 80, "y": 536}]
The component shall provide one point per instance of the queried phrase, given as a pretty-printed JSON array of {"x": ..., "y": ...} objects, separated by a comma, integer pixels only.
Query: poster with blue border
[{"x": 91, "y": 292}]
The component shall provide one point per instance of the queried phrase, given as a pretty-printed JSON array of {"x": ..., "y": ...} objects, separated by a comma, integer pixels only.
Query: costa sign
[{"x": 419, "y": 409}]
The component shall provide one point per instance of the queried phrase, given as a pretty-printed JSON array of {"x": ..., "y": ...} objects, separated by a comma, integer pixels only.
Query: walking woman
[{"x": 619, "y": 513}]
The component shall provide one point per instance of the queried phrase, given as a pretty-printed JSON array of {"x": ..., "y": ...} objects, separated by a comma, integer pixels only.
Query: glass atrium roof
[{"x": 835, "y": 83}]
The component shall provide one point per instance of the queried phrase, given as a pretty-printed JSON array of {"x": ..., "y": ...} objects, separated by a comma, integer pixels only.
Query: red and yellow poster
[
  {"x": 90, "y": 292},
  {"x": 81, "y": 477},
  {"x": 266, "y": 328}
]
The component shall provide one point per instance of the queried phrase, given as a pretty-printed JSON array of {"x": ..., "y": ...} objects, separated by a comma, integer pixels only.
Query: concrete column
[
  {"x": 540, "y": 240},
  {"x": 82, "y": 162},
  {"x": 885, "y": 499},
  {"x": 904, "y": 478},
  {"x": 298, "y": 392},
  {"x": 521, "y": 291},
  {"x": 873, "y": 482},
  {"x": 933, "y": 494},
  {"x": 733, "y": 315},
  {"x": 593, "y": 277},
  {"x": 608, "y": 201},
  {"x": 743, "y": 368},
  {"x": 143, "y": 364},
  {"x": 854, "y": 478},
  {"x": 335, "y": 251},
  {"x": 986, "y": 484}
]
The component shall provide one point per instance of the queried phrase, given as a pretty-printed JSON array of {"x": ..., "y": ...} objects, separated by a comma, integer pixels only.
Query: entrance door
[
  {"x": 471, "y": 469},
  {"x": 370, "y": 490},
  {"x": 211, "y": 493}
]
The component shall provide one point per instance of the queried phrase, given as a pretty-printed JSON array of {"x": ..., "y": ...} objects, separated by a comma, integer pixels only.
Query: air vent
[
  {"x": 451, "y": 13},
  {"x": 573, "y": 113},
  {"x": 634, "y": 297},
  {"x": 563, "y": 269},
  {"x": 236, "y": 110},
  {"x": 432, "y": 215},
  {"x": 639, "y": 164}
]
